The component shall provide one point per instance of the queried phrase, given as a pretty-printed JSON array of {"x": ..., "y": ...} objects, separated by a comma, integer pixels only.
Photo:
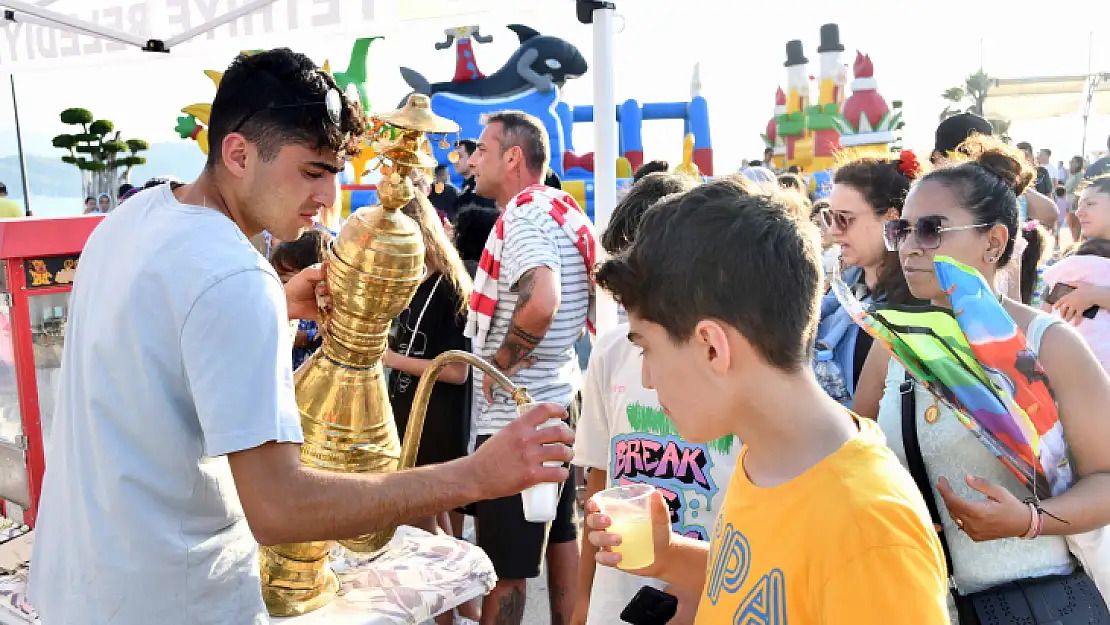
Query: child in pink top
[{"x": 1090, "y": 264}]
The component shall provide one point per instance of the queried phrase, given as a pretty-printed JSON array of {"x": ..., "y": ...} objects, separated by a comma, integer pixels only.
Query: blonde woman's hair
[{"x": 440, "y": 255}]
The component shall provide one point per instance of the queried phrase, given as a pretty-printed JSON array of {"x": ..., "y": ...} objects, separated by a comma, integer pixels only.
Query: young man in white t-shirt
[
  {"x": 176, "y": 440},
  {"x": 623, "y": 437}
]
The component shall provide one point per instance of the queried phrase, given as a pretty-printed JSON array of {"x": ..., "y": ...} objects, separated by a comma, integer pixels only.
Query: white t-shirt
[
  {"x": 622, "y": 431},
  {"x": 176, "y": 354},
  {"x": 534, "y": 239}
]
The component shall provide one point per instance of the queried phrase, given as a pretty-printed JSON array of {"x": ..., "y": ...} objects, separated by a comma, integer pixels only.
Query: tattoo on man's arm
[{"x": 519, "y": 343}]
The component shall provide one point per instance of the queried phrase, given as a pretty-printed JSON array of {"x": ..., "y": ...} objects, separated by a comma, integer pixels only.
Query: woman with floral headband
[{"x": 865, "y": 193}]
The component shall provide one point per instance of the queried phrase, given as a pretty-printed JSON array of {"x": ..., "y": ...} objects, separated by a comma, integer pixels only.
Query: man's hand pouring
[{"x": 513, "y": 459}]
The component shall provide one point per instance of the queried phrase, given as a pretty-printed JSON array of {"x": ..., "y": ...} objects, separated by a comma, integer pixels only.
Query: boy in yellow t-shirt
[{"x": 821, "y": 524}]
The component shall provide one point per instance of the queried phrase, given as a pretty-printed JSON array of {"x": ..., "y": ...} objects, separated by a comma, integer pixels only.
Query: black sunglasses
[
  {"x": 333, "y": 101},
  {"x": 927, "y": 231}
]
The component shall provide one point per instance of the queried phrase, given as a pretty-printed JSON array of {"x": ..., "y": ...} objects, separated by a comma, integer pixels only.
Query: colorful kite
[{"x": 976, "y": 360}]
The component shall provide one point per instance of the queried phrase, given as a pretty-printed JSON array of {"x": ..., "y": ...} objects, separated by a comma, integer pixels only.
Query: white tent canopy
[
  {"x": 42, "y": 33},
  {"x": 38, "y": 34},
  {"x": 1038, "y": 98}
]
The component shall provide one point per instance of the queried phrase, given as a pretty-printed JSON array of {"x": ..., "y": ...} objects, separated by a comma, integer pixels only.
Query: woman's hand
[
  {"x": 598, "y": 524},
  {"x": 388, "y": 358},
  {"x": 1001, "y": 516},
  {"x": 307, "y": 292}
]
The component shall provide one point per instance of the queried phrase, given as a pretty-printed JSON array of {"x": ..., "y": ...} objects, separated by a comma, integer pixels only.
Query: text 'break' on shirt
[
  {"x": 849, "y": 541},
  {"x": 534, "y": 239},
  {"x": 176, "y": 354},
  {"x": 623, "y": 431}
]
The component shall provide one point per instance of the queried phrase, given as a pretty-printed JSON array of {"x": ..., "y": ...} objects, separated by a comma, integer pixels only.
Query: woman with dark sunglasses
[
  {"x": 969, "y": 212},
  {"x": 865, "y": 193}
]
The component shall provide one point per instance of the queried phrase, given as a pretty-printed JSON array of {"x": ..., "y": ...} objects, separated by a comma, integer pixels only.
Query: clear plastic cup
[
  {"x": 629, "y": 508},
  {"x": 541, "y": 501}
]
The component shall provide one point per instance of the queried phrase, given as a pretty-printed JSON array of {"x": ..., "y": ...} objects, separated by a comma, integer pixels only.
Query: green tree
[
  {"x": 970, "y": 97},
  {"x": 98, "y": 152}
]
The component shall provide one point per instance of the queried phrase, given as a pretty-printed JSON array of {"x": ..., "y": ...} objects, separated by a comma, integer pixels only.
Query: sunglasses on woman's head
[
  {"x": 927, "y": 231},
  {"x": 842, "y": 221}
]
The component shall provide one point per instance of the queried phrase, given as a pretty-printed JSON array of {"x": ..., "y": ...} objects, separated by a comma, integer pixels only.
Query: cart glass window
[
  {"x": 10, "y": 423},
  {"x": 48, "y": 313}
]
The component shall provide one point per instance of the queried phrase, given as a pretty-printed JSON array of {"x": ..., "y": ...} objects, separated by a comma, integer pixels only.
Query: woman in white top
[{"x": 969, "y": 212}]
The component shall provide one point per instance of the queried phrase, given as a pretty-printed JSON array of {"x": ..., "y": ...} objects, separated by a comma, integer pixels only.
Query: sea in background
[{"x": 53, "y": 206}]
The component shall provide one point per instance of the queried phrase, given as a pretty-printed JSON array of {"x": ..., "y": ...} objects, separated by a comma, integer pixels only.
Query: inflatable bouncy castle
[
  {"x": 530, "y": 81},
  {"x": 812, "y": 135}
]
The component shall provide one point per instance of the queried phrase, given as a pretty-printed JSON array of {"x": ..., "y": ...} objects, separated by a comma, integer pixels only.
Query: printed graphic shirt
[
  {"x": 623, "y": 432},
  {"x": 847, "y": 542}
]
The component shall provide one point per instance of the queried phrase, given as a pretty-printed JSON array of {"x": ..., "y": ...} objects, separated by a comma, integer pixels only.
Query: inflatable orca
[{"x": 541, "y": 62}]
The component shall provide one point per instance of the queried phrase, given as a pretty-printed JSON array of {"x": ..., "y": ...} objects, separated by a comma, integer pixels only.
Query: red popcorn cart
[{"x": 39, "y": 257}]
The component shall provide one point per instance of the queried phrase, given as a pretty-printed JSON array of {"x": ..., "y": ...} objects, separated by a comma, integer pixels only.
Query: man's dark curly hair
[{"x": 276, "y": 98}]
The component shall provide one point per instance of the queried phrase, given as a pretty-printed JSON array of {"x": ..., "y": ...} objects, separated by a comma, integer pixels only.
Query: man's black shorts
[{"x": 516, "y": 546}]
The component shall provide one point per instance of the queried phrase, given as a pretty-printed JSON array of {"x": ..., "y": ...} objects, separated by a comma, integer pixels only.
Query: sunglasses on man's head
[
  {"x": 333, "y": 101},
  {"x": 840, "y": 220},
  {"x": 927, "y": 231}
]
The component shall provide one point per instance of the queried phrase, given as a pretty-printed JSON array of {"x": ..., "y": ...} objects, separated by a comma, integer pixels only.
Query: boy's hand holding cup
[{"x": 631, "y": 526}]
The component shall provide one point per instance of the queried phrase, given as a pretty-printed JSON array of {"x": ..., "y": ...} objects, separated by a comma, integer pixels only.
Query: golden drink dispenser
[{"x": 375, "y": 265}]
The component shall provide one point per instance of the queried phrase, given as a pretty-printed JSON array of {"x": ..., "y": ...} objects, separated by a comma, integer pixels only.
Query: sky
[{"x": 740, "y": 45}]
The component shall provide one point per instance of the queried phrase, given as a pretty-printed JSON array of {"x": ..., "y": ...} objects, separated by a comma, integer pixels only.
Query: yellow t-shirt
[
  {"x": 849, "y": 541},
  {"x": 10, "y": 208}
]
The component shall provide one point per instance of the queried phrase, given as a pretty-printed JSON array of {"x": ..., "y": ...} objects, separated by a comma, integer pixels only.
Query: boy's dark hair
[
  {"x": 527, "y": 132},
  {"x": 439, "y": 170},
  {"x": 793, "y": 169},
  {"x": 307, "y": 250},
  {"x": 472, "y": 228},
  {"x": 718, "y": 252},
  {"x": 650, "y": 167},
  {"x": 625, "y": 220},
  {"x": 470, "y": 145},
  {"x": 277, "y": 98},
  {"x": 124, "y": 188}
]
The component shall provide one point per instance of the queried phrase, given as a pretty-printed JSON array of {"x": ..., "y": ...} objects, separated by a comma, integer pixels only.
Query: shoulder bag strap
[{"x": 917, "y": 464}]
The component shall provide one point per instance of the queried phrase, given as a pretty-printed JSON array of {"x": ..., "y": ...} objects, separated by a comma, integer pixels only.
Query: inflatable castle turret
[
  {"x": 810, "y": 135},
  {"x": 771, "y": 138},
  {"x": 792, "y": 122},
  {"x": 821, "y": 117},
  {"x": 868, "y": 123}
]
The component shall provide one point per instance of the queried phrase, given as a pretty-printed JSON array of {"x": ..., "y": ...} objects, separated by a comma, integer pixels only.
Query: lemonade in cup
[{"x": 629, "y": 509}]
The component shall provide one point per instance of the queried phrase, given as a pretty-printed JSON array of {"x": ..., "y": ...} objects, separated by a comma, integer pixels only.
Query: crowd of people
[{"x": 784, "y": 444}]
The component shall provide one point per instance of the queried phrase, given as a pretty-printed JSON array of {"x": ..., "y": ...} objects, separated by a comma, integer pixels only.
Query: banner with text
[{"x": 28, "y": 44}]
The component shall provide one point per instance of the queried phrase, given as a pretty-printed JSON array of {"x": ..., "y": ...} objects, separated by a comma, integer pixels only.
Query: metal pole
[
  {"x": 605, "y": 141},
  {"x": 22, "y": 156},
  {"x": 1092, "y": 83}
]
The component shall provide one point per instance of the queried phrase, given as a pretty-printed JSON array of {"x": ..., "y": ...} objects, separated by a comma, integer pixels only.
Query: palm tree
[{"x": 973, "y": 93}]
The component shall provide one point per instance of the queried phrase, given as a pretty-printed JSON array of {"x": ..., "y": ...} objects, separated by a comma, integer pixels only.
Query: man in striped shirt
[{"x": 542, "y": 301}]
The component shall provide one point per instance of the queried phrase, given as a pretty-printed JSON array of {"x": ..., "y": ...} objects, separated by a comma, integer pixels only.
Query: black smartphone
[
  {"x": 1060, "y": 290},
  {"x": 650, "y": 606},
  {"x": 1057, "y": 292}
]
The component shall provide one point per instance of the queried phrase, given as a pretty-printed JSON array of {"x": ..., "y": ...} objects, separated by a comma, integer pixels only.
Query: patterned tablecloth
[{"x": 416, "y": 577}]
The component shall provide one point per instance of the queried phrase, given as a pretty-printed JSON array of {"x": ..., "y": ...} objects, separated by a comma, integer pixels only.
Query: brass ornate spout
[
  {"x": 424, "y": 391},
  {"x": 374, "y": 267}
]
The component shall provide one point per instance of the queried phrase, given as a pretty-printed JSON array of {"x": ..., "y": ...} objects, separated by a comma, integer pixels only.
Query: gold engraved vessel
[{"x": 375, "y": 265}]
